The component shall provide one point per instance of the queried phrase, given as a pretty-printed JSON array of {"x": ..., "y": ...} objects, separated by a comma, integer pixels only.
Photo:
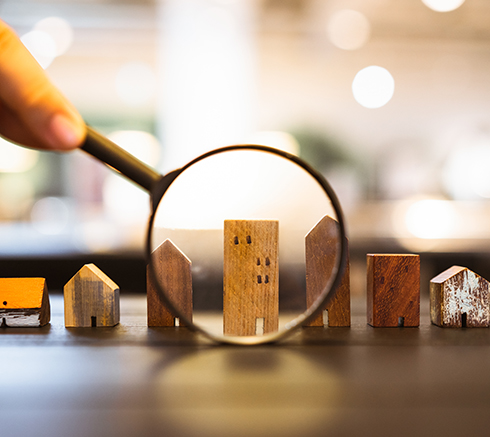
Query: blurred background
[{"x": 389, "y": 99}]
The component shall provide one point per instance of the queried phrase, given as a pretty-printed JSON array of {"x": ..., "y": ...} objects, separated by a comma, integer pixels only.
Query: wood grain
[
  {"x": 24, "y": 302},
  {"x": 393, "y": 290},
  {"x": 91, "y": 299},
  {"x": 251, "y": 276},
  {"x": 459, "y": 298},
  {"x": 173, "y": 271},
  {"x": 321, "y": 245}
]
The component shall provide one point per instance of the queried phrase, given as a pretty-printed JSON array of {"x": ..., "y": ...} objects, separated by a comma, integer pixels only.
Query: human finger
[{"x": 38, "y": 114}]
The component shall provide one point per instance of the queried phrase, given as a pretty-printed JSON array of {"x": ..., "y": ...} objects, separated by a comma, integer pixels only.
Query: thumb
[{"x": 33, "y": 112}]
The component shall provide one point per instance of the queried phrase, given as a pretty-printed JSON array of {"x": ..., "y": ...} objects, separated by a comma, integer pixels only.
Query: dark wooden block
[
  {"x": 320, "y": 248},
  {"x": 173, "y": 270},
  {"x": 250, "y": 277},
  {"x": 393, "y": 290},
  {"x": 459, "y": 298},
  {"x": 91, "y": 299},
  {"x": 24, "y": 302}
]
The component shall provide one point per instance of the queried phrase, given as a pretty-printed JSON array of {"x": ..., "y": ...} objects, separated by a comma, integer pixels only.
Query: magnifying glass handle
[{"x": 116, "y": 157}]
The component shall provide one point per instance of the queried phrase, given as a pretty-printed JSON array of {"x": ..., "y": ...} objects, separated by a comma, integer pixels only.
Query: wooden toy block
[
  {"x": 459, "y": 298},
  {"x": 91, "y": 299},
  {"x": 393, "y": 290},
  {"x": 24, "y": 302},
  {"x": 173, "y": 271},
  {"x": 250, "y": 277},
  {"x": 320, "y": 249}
]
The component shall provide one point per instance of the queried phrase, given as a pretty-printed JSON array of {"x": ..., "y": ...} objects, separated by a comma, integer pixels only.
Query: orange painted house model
[{"x": 24, "y": 302}]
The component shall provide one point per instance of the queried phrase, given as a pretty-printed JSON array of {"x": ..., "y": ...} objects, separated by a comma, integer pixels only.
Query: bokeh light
[
  {"x": 430, "y": 218},
  {"x": 135, "y": 83},
  {"x": 41, "y": 45},
  {"x": 59, "y": 30},
  {"x": 425, "y": 223},
  {"x": 373, "y": 87},
  {"x": 348, "y": 29},
  {"x": 50, "y": 215},
  {"x": 15, "y": 159},
  {"x": 443, "y": 5}
]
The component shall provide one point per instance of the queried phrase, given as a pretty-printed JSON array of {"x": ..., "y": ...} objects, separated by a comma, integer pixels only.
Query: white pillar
[{"x": 206, "y": 77}]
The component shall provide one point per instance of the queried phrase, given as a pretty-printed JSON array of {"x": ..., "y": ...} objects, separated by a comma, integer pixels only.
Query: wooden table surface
[{"x": 134, "y": 381}]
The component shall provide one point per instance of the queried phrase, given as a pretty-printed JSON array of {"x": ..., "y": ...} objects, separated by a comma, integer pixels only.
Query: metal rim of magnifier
[{"x": 297, "y": 321}]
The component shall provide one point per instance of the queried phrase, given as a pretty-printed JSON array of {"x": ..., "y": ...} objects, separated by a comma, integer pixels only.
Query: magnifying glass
[{"x": 226, "y": 240}]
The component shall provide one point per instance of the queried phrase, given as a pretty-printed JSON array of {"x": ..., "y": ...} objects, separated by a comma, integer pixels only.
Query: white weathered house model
[{"x": 459, "y": 298}]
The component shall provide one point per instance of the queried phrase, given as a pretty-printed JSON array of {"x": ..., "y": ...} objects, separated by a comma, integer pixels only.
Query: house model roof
[
  {"x": 21, "y": 292},
  {"x": 93, "y": 270}
]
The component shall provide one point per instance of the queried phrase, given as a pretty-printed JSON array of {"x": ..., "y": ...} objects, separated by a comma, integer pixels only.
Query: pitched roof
[
  {"x": 21, "y": 292},
  {"x": 93, "y": 270}
]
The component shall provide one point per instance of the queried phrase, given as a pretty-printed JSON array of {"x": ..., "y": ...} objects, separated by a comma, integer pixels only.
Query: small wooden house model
[
  {"x": 24, "y": 302},
  {"x": 459, "y": 298},
  {"x": 320, "y": 252},
  {"x": 173, "y": 271},
  {"x": 91, "y": 299},
  {"x": 250, "y": 277},
  {"x": 393, "y": 290}
]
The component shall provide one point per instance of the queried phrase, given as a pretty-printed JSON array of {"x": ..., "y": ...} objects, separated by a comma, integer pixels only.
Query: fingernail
[{"x": 65, "y": 133}]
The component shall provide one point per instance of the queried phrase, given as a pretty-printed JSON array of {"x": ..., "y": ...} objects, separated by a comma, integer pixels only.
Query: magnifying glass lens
[{"x": 243, "y": 242}]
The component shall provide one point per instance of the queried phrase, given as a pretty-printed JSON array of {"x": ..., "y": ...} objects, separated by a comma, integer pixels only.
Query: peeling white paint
[
  {"x": 466, "y": 292},
  {"x": 21, "y": 320}
]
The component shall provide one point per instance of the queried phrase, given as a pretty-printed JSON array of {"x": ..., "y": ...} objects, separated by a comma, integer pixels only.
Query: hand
[{"x": 33, "y": 112}]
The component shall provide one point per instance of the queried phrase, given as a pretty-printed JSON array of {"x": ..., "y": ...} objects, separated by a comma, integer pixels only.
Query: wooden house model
[
  {"x": 173, "y": 271},
  {"x": 250, "y": 277},
  {"x": 320, "y": 251},
  {"x": 459, "y": 298},
  {"x": 91, "y": 299},
  {"x": 24, "y": 302},
  {"x": 393, "y": 290}
]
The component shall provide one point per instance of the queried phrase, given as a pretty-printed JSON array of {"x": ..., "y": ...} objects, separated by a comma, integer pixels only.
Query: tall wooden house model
[
  {"x": 250, "y": 277},
  {"x": 320, "y": 250},
  {"x": 173, "y": 271}
]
